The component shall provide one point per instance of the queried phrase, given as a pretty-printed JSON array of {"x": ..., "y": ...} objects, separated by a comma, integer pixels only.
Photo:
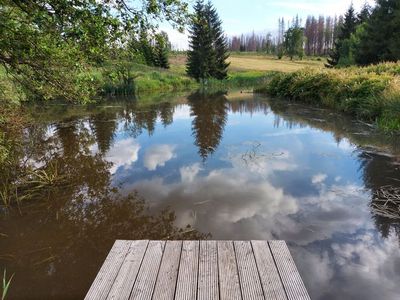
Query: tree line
[
  {"x": 319, "y": 36},
  {"x": 369, "y": 37}
]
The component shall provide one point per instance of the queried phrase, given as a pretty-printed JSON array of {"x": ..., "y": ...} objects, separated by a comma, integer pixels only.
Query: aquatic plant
[{"x": 6, "y": 284}]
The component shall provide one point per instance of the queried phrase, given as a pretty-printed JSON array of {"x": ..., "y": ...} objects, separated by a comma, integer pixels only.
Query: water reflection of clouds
[
  {"x": 333, "y": 237},
  {"x": 351, "y": 269},
  {"x": 123, "y": 154},
  {"x": 158, "y": 155}
]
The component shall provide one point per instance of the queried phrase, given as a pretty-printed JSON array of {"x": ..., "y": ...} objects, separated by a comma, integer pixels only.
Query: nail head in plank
[
  {"x": 168, "y": 273},
  {"x": 270, "y": 280},
  {"x": 228, "y": 271},
  {"x": 126, "y": 277},
  {"x": 109, "y": 270},
  {"x": 186, "y": 287},
  {"x": 147, "y": 276},
  {"x": 290, "y": 276},
  {"x": 248, "y": 274},
  {"x": 208, "y": 271}
]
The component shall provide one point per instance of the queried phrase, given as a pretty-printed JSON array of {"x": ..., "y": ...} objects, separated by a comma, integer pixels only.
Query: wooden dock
[{"x": 198, "y": 270}]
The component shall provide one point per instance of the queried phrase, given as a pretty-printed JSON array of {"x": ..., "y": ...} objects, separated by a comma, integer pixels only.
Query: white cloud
[
  {"x": 189, "y": 173},
  {"x": 319, "y": 178},
  {"x": 360, "y": 269},
  {"x": 182, "y": 112},
  {"x": 123, "y": 154},
  {"x": 158, "y": 155}
]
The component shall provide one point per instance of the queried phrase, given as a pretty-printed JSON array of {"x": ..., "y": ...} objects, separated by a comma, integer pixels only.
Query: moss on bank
[{"x": 371, "y": 94}]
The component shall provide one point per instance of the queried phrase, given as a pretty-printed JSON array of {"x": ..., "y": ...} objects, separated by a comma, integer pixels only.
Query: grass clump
[
  {"x": 371, "y": 94},
  {"x": 249, "y": 79},
  {"x": 125, "y": 78}
]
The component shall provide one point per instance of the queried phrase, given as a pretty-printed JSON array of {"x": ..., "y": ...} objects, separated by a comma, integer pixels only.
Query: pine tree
[
  {"x": 219, "y": 70},
  {"x": 381, "y": 38},
  {"x": 348, "y": 27},
  {"x": 208, "y": 47}
]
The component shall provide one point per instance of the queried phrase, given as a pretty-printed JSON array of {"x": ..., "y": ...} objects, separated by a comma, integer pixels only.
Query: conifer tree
[
  {"x": 208, "y": 48},
  {"x": 161, "y": 51},
  {"x": 381, "y": 39},
  {"x": 145, "y": 48},
  {"x": 219, "y": 70},
  {"x": 348, "y": 27}
]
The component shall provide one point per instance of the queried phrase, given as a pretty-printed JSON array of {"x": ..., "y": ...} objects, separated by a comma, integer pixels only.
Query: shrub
[{"x": 371, "y": 93}]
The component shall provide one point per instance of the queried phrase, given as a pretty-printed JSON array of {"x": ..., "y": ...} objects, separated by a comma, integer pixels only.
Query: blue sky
[{"x": 262, "y": 15}]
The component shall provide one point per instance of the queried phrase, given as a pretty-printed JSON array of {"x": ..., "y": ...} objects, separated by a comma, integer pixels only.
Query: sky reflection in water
[
  {"x": 271, "y": 179},
  {"x": 244, "y": 168}
]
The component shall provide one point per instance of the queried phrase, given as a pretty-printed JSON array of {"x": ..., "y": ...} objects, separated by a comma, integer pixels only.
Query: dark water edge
[{"x": 220, "y": 166}]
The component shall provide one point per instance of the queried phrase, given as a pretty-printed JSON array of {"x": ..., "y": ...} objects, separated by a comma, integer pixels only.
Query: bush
[{"x": 371, "y": 93}]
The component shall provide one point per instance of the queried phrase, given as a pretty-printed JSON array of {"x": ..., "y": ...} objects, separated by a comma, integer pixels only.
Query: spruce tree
[
  {"x": 161, "y": 51},
  {"x": 201, "y": 51},
  {"x": 145, "y": 47},
  {"x": 219, "y": 70},
  {"x": 208, "y": 48},
  {"x": 381, "y": 39},
  {"x": 364, "y": 14},
  {"x": 348, "y": 27}
]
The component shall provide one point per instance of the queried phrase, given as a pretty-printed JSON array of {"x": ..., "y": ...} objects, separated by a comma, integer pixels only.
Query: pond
[{"x": 218, "y": 166}]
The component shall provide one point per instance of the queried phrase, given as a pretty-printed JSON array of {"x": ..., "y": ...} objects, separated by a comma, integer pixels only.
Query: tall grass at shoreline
[{"x": 371, "y": 93}]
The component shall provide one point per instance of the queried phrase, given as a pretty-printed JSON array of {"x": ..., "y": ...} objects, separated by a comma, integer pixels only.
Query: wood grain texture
[
  {"x": 288, "y": 272},
  {"x": 109, "y": 270},
  {"x": 126, "y": 277},
  {"x": 270, "y": 280},
  {"x": 186, "y": 270},
  {"x": 228, "y": 272},
  {"x": 208, "y": 271},
  {"x": 168, "y": 273},
  {"x": 186, "y": 287},
  {"x": 147, "y": 276},
  {"x": 248, "y": 274}
]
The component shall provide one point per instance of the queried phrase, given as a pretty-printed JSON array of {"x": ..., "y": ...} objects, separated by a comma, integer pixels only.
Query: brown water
[{"x": 233, "y": 166}]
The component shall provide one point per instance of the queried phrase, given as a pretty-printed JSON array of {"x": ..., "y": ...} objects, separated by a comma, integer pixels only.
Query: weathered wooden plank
[
  {"x": 109, "y": 270},
  {"x": 270, "y": 280},
  {"x": 291, "y": 279},
  {"x": 126, "y": 277},
  {"x": 248, "y": 274},
  {"x": 228, "y": 271},
  {"x": 208, "y": 271},
  {"x": 186, "y": 287},
  {"x": 168, "y": 273},
  {"x": 146, "y": 278}
]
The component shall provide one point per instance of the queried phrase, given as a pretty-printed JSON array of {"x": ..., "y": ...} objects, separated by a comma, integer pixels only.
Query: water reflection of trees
[
  {"x": 57, "y": 241},
  {"x": 209, "y": 112},
  {"x": 381, "y": 172},
  {"x": 378, "y": 168}
]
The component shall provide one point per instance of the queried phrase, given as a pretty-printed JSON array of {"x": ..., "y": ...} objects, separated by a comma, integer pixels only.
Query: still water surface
[{"x": 234, "y": 166}]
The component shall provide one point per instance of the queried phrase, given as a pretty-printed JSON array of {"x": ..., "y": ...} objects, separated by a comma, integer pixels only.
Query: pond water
[{"x": 222, "y": 166}]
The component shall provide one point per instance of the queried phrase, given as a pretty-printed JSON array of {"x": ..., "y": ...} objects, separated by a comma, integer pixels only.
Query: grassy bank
[{"x": 371, "y": 94}]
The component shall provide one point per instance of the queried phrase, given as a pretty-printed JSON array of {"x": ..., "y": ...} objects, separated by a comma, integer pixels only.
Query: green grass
[
  {"x": 371, "y": 94},
  {"x": 249, "y": 79},
  {"x": 254, "y": 62}
]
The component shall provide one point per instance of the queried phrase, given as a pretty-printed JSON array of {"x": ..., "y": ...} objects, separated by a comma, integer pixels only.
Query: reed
[{"x": 5, "y": 285}]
